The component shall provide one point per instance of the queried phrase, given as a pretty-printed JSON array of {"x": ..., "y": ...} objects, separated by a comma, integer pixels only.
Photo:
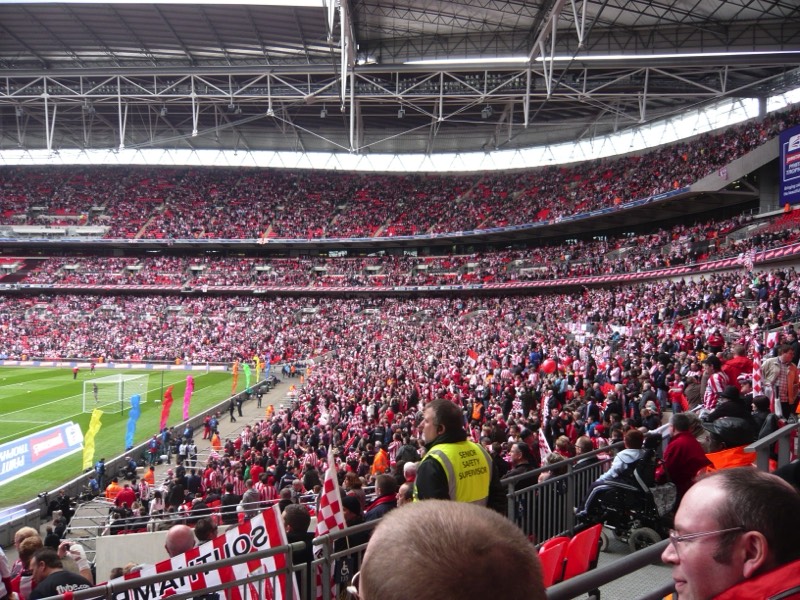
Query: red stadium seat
[
  {"x": 551, "y": 555},
  {"x": 582, "y": 552},
  {"x": 556, "y": 541}
]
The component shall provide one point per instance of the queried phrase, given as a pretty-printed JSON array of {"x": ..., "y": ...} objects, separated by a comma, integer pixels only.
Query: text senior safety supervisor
[{"x": 453, "y": 467}]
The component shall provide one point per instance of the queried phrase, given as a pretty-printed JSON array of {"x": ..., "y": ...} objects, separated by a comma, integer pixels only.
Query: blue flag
[{"x": 136, "y": 410}]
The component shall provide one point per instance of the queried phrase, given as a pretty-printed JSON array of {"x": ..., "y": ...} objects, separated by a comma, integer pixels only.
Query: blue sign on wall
[
  {"x": 34, "y": 451},
  {"x": 790, "y": 166}
]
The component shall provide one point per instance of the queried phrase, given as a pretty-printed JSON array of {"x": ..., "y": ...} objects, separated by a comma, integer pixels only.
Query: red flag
[
  {"x": 165, "y": 408},
  {"x": 187, "y": 396}
]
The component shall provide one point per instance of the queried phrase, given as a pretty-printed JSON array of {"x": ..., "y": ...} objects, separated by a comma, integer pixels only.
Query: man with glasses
[{"x": 735, "y": 537}]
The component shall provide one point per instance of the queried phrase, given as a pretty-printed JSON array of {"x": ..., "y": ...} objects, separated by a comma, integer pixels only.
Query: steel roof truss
[{"x": 689, "y": 81}]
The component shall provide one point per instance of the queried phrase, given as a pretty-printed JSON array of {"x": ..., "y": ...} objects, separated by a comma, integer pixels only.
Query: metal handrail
[
  {"x": 546, "y": 509},
  {"x": 763, "y": 447},
  {"x": 595, "y": 578}
]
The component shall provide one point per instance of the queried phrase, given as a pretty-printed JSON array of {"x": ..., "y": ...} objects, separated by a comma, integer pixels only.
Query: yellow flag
[{"x": 88, "y": 439}]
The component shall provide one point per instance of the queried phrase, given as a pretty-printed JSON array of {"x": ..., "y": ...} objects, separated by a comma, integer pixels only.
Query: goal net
[{"x": 113, "y": 393}]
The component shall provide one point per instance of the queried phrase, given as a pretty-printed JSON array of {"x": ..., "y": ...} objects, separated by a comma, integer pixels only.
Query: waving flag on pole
[
  {"x": 88, "y": 439},
  {"x": 330, "y": 516},
  {"x": 544, "y": 447},
  {"x": 246, "y": 369},
  {"x": 235, "y": 376},
  {"x": 165, "y": 408},
  {"x": 187, "y": 396},
  {"x": 267, "y": 364},
  {"x": 136, "y": 410}
]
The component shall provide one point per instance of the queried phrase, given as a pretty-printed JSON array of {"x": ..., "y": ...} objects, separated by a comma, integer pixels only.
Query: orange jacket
[
  {"x": 112, "y": 491},
  {"x": 380, "y": 464}
]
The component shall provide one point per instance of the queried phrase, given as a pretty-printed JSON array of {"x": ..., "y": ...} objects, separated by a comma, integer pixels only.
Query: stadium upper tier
[
  {"x": 703, "y": 242},
  {"x": 381, "y": 334},
  {"x": 183, "y": 203}
]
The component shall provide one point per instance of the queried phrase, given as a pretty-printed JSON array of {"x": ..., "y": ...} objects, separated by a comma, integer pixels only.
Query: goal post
[{"x": 112, "y": 393}]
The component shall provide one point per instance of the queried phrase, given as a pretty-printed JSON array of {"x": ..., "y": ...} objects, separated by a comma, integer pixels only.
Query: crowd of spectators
[
  {"x": 662, "y": 248},
  {"x": 629, "y": 351},
  {"x": 374, "y": 362},
  {"x": 240, "y": 204}
]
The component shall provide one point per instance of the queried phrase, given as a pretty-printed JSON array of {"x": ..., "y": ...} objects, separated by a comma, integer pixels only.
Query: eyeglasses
[
  {"x": 675, "y": 539},
  {"x": 352, "y": 589}
]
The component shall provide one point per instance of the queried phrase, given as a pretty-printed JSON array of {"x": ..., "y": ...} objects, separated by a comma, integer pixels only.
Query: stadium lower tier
[{"x": 632, "y": 318}]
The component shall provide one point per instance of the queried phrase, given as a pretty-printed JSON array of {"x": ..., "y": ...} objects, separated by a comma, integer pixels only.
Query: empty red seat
[
  {"x": 551, "y": 555},
  {"x": 582, "y": 551},
  {"x": 556, "y": 541}
]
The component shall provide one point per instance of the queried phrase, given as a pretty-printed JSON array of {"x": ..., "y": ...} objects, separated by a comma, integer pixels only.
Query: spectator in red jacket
[
  {"x": 738, "y": 365},
  {"x": 684, "y": 456}
]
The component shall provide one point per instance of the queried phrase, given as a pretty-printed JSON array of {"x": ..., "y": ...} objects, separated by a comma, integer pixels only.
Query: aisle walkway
[{"x": 277, "y": 396}]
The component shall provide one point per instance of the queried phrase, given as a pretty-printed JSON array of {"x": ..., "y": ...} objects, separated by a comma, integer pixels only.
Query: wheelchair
[{"x": 636, "y": 510}]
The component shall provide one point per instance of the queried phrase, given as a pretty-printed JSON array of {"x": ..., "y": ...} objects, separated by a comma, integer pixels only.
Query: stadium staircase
[
  {"x": 29, "y": 265},
  {"x": 139, "y": 234}
]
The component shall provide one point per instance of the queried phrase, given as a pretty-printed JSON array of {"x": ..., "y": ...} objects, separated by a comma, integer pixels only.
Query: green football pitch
[{"x": 33, "y": 399}]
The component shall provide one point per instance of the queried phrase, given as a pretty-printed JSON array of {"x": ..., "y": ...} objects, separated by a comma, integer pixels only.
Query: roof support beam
[
  {"x": 48, "y": 125},
  {"x": 348, "y": 45},
  {"x": 122, "y": 114},
  {"x": 548, "y": 31}
]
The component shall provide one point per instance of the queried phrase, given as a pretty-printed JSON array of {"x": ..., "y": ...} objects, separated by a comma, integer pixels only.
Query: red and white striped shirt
[
  {"x": 211, "y": 480},
  {"x": 715, "y": 386},
  {"x": 394, "y": 446},
  {"x": 266, "y": 492},
  {"x": 239, "y": 486},
  {"x": 310, "y": 460}
]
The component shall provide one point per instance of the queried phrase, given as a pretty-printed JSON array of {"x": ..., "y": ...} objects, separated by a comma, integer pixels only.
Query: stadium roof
[{"x": 303, "y": 76}]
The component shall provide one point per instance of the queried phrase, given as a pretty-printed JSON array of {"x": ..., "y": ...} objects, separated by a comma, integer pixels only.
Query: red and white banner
[
  {"x": 260, "y": 533},
  {"x": 758, "y": 388},
  {"x": 330, "y": 516}
]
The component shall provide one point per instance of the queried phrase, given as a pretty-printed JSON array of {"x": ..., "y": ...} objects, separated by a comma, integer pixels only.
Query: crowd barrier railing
[
  {"x": 327, "y": 557},
  {"x": 546, "y": 509},
  {"x": 783, "y": 439},
  {"x": 593, "y": 579}
]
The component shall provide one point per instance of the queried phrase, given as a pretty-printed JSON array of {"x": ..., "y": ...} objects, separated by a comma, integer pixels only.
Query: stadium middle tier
[{"x": 680, "y": 250}]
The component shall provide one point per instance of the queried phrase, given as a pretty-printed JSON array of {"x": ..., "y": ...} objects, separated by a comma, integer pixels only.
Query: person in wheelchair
[
  {"x": 624, "y": 500},
  {"x": 626, "y": 459},
  {"x": 622, "y": 468}
]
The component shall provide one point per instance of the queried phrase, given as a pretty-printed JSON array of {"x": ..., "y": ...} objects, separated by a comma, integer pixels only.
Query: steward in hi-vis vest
[{"x": 455, "y": 468}]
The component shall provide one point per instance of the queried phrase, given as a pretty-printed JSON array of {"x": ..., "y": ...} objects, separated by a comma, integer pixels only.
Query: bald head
[
  {"x": 180, "y": 539},
  {"x": 421, "y": 537}
]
